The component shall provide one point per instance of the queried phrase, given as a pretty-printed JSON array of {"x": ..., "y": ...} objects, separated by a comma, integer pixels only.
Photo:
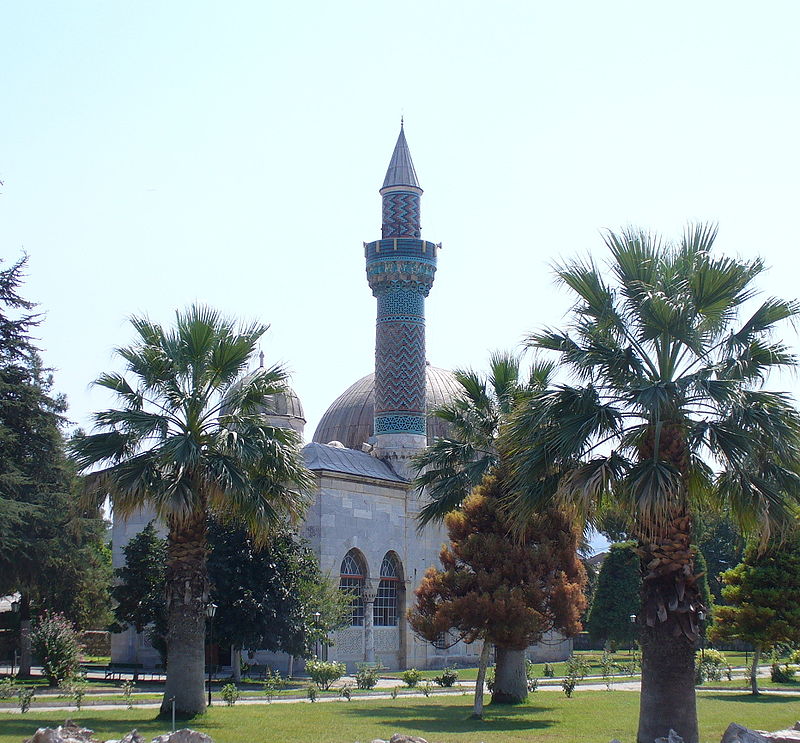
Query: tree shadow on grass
[
  {"x": 748, "y": 698},
  {"x": 442, "y": 718}
]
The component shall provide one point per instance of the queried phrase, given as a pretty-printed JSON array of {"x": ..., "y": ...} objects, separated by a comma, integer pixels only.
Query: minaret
[{"x": 400, "y": 271}]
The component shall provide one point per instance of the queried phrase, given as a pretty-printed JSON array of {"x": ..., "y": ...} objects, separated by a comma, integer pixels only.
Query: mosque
[{"x": 362, "y": 524}]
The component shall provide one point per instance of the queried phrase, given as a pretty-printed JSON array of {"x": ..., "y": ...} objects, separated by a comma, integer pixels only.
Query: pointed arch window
[
  {"x": 385, "y": 611},
  {"x": 353, "y": 574}
]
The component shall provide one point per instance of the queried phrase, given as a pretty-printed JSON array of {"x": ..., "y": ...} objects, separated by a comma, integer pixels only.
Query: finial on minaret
[
  {"x": 401, "y": 121},
  {"x": 261, "y": 359}
]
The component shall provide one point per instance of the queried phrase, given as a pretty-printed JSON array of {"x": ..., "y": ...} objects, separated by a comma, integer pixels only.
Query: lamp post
[
  {"x": 211, "y": 610},
  {"x": 317, "y": 615},
  {"x": 15, "y": 609},
  {"x": 632, "y": 619}
]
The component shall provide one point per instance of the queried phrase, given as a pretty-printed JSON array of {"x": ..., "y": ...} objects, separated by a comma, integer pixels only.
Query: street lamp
[
  {"x": 632, "y": 620},
  {"x": 15, "y": 608},
  {"x": 211, "y": 610},
  {"x": 317, "y": 615}
]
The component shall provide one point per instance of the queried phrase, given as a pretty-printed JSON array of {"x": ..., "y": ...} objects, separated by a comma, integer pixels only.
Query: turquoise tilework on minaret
[{"x": 400, "y": 270}]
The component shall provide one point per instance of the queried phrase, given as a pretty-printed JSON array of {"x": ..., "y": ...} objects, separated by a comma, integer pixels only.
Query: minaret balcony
[{"x": 396, "y": 247}]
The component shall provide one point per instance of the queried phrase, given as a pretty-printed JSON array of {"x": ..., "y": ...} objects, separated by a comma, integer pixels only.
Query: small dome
[
  {"x": 351, "y": 417},
  {"x": 284, "y": 410}
]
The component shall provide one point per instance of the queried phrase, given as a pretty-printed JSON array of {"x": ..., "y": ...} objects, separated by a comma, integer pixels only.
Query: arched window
[
  {"x": 353, "y": 575},
  {"x": 385, "y": 610}
]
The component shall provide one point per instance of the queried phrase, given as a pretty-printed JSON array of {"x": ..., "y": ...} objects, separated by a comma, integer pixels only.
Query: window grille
[
  {"x": 385, "y": 612},
  {"x": 353, "y": 574}
]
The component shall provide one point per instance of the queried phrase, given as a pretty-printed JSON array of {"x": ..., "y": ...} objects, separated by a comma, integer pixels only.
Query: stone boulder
[
  {"x": 740, "y": 734},
  {"x": 69, "y": 732},
  {"x": 132, "y": 737},
  {"x": 400, "y": 738},
  {"x": 671, "y": 737},
  {"x": 184, "y": 735}
]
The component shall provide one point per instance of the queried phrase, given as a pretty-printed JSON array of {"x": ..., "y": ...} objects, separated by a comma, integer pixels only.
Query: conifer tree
[
  {"x": 506, "y": 592},
  {"x": 763, "y": 593}
]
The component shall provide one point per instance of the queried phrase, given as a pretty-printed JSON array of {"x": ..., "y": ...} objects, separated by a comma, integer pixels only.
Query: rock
[
  {"x": 184, "y": 735},
  {"x": 789, "y": 735},
  {"x": 740, "y": 734},
  {"x": 400, "y": 738},
  {"x": 671, "y": 737},
  {"x": 69, "y": 732}
]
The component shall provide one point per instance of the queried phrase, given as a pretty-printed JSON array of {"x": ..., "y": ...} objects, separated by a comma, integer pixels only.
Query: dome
[
  {"x": 350, "y": 419},
  {"x": 283, "y": 410}
]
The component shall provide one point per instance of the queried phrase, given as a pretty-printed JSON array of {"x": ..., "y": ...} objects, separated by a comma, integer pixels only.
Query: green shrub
[
  {"x": 427, "y": 687},
  {"x": 447, "y": 678},
  {"x": 311, "y": 693},
  {"x": 323, "y": 673},
  {"x": 489, "y": 679},
  {"x": 549, "y": 671},
  {"x": 367, "y": 675},
  {"x": 229, "y": 693},
  {"x": 393, "y": 692},
  {"x": 76, "y": 690},
  {"x": 8, "y": 688},
  {"x": 25, "y": 696},
  {"x": 273, "y": 682},
  {"x": 568, "y": 684},
  {"x": 533, "y": 683},
  {"x": 346, "y": 693},
  {"x": 781, "y": 674},
  {"x": 710, "y": 666},
  {"x": 411, "y": 677},
  {"x": 577, "y": 666},
  {"x": 55, "y": 642},
  {"x": 128, "y": 688}
]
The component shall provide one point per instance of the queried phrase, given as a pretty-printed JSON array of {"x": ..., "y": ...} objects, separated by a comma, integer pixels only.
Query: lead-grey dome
[
  {"x": 350, "y": 419},
  {"x": 283, "y": 410}
]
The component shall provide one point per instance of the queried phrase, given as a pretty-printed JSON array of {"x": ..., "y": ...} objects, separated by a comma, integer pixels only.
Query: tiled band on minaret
[{"x": 400, "y": 271}]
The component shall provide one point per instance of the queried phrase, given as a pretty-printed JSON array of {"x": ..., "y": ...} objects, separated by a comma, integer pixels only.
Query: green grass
[
  {"x": 764, "y": 684},
  {"x": 589, "y": 717}
]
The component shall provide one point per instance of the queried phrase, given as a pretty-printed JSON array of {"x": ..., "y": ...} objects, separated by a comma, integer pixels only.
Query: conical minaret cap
[{"x": 401, "y": 169}]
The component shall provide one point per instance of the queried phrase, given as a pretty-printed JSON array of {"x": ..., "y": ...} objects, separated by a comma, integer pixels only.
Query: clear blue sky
[{"x": 156, "y": 154}]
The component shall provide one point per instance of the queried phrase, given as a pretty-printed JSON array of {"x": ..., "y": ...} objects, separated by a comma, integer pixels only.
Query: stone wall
[{"x": 96, "y": 642}]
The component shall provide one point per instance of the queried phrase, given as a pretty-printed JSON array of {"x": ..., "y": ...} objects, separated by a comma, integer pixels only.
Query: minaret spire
[{"x": 400, "y": 271}]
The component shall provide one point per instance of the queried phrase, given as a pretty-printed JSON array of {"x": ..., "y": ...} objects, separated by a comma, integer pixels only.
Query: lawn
[
  {"x": 622, "y": 658},
  {"x": 588, "y": 717}
]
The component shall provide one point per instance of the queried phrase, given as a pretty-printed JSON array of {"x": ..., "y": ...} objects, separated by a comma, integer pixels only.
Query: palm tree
[
  {"x": 188, "y": 439},
  {"x": 452, "y": 466},
  {"x": 668, "y": 412}
]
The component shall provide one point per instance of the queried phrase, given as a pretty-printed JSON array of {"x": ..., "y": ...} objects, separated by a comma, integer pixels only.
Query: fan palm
[
  {"x": 452, "y": 466},
  {"x": 668, "y": 412},
  {"x": 188, "y": 439}
]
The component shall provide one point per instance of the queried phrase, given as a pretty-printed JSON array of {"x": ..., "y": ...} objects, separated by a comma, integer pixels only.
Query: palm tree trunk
[
  {"x": 670, "y": 630},
  {"x": 667, "y": 699},
  {"x": 187, "y": 596},
  {"x": 754, "y": 670},
  {"x": 477, "y": 707},
  {"x": 510, "y": 677}
]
